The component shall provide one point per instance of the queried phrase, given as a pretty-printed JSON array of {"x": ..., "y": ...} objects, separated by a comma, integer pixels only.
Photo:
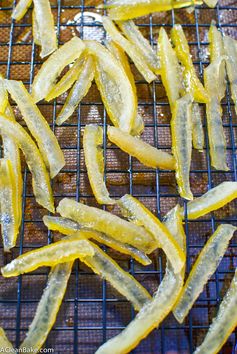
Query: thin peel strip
[
  {"x": 223, "y": 324},
  {"x": 154, "y": 312},
  {"x": 216, "y": 134},
  {"x": 35, "y": 29},
  {"x": 115, "y": 88},
  {"x": 40, "y": 177},
  {"x": 170, "y": 68},
  {"x": 194, "y": 85},
  {"x": 129, "y": 9},
  {"x": 50, "y": 255},
  {"x": 161, "y": 234},
  {"x": 130, "y": 49},
  {"x": 197, "y": 128},
  {"x": 94, "y": 160},
  {"x": 212, "y": 200},
  {"x": 230, "y": 47},
  {"x": 45, "y": 23},
  {"x": 144, "y": 152},
  {"x": 181, "y": 131},
  {"x": 120, "y": 55},
  {"x": 38, "y": 126},
  {"x": 217, "y": 50},
  {"x": 48, "y": 306},
  {"x": 78, "y": 91},
  {"x": 8, "y": 205},
  {"x": 53, "y": 66},
  {"x": 122, "y": 281},
  {"x": 205, "y": 265},
  {"x": 135, "y": 36},
  {"x": 12, "y": 153},
  {"x": 68, "y": 227},
  {"x": 21, "y": 9},
  {"x": 108, "y": 223},
  {"x": 68, "y": 79}
]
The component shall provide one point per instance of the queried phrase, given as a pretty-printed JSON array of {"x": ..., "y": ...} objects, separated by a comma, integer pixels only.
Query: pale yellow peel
[
  {"x": 45, "y": 22},
  {"x": 40, "y": 177},
  {"x": 53, "y": 66},
  {"x": 68, "y": 227},
  {"x": 21, "y": 9},
  {"x": 223, "y": 324},
  {"x": 197, "y": 128},
  {"x": 170, "y": 68},
  {"x": 181, "y": 130},
  {"x": 5, "y": 343},
  {"x": 217, "y": 50},
  {"x": 120, "y": 55},
  {"x": 48, "y": 306},
  {"x": 94, "y": 160},
  {"x": 211, "y": 3},
  {"x": 144, "y": 152},
  {"x": 105, "y": 222},
  {"x": 49, "y": 256},
  {"x": 11, "y": 152},
  {"x": 38, "y": 126},
  {"x": 115, "y": 88},
  {"x": 212, "y": 200},
  {"x": 125, "y": 283},
  {"x": 205, "y": 265},
  {"x": 35, "y": 29},
  {"x": 78, "y": 91},
  {"x": 130, "y": 49},
  {"x": 134, "y": 35},
  {"x": 216, "y": 134},
  {"x": 129, "y": 9},
  {"x": 3, "y": 96},
  {"x": 154, "y": 312},
  {"x": 68, "y": 79},
  {"x": 192, "y": 82},
  {"x": 159, "y": 231},
  {"x": 8, "y": 205},
  {"x": 230, "y": 47}
]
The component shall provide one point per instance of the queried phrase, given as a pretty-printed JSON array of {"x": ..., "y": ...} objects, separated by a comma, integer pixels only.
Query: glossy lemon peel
[
  {"x": 45, "y": 78},
  {"x": 181, "y": 131},
  {"x": 223, "y": 324},
  {"x": 110, "y": 224},
  {"x": 191, "y": 80},
  {"x": 38, "y": 126},
  {"x": 40, "y": 176},
  {"x": 115, "y": 87},
  {"x": 68, "y": 227},
  {"x": 154, "y": 226},
  {"x": 48, "y": 306},
  {"x": 94, "y": 160},
  {"x": 154, "y": 312},
  {"x": 8, "y": 205},
  {"x": 144, "y": 152},
  {"x": 213, "y": 199},
  {"x": 130, "y": 48},
  {"x": 203, "y": 268},
  {"x": 50, "y": 255},
  {"x": 78, "y": 91}
]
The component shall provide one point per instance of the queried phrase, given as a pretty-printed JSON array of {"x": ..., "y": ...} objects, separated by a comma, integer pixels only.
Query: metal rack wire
[{"x": 92, "y": 312}]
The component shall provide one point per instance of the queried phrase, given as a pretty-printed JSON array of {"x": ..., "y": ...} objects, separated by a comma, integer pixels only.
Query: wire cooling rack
[{"x": 92, "y": 311}]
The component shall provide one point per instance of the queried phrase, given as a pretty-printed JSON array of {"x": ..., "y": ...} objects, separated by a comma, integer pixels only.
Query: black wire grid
[{"x": 92, "y": 311}]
